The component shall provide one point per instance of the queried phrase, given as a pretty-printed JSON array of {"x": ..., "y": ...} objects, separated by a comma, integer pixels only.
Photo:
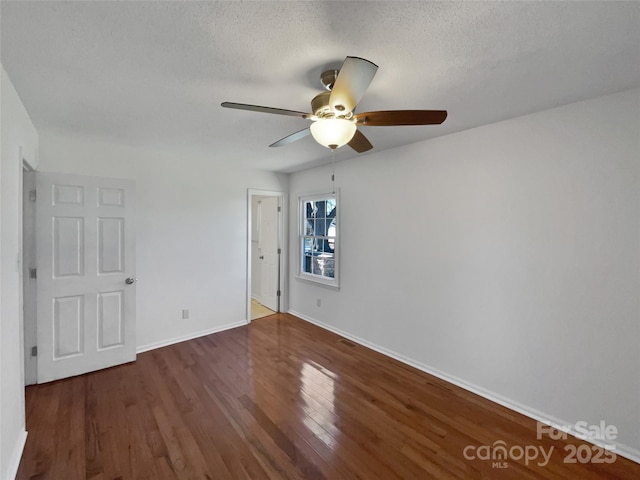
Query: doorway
[{"x": 265, "y": 253}]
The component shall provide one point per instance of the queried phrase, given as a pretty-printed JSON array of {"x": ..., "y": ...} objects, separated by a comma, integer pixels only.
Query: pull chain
[{"x": 333, "y": 170}]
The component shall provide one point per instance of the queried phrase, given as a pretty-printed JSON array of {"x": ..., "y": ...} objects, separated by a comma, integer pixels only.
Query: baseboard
[
  {"x": 190, "y": 336},
  {"x": 620, "y": 449},
  {"x": 14, "y": 462}
]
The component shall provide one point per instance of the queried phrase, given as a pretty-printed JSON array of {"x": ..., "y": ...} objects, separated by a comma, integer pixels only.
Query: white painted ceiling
[{"x": 153, "y": 74}]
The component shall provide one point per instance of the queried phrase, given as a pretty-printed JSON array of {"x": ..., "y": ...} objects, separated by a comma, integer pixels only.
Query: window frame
[{"x": 311, "y": 277}]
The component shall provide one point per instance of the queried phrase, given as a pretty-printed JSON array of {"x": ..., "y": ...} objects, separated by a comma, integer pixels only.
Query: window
[{"x": 319, "y": 238}]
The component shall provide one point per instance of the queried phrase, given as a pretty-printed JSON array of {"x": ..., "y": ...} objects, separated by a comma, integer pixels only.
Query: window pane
[
  {"x": 331, "y": 231},
  {"x": 329, "y": 265},
  {"x": 308, "y": 229},
  {"x": 308, "y": 245},
  {"x": 309, "y": 208},
  {"x": 320, "y": 209},
  {"x": 323, "y": 265},
  {"x": 331, "y": 204},
  {"x": 321, "y": 224},
  {"x": 315, "y": 269}
]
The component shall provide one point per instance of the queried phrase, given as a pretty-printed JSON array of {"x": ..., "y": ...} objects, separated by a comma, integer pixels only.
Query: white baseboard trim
[
  {"x": 190, "y": 336},
  {"x": 620, "y": 449},
  {"x": 14, "y": 461}
]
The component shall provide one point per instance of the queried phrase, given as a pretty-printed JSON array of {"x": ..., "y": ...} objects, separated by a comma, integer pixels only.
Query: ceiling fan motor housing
[
  {"x": 320, "y": 105},
  {"x": 321, "y": 108}
]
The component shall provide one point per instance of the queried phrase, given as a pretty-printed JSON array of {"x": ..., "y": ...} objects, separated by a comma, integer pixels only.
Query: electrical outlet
[
  {"x": 185, "y": 313},
  {"x": 318, "y": 302}
]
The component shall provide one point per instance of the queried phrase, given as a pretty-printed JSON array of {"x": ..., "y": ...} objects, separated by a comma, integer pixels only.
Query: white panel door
[
  {"x": 85, "y": 244},
  {"x": 269, "y": 252}
]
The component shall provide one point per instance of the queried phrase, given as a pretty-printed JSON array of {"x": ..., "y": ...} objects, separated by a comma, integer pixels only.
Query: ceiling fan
[{"x": 334, "y": 119}]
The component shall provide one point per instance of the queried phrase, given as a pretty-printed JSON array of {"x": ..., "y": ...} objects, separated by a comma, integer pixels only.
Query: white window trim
[{"x": 309, "y": 277}]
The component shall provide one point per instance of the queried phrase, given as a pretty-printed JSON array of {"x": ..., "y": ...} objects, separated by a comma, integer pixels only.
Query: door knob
[
  {"x": 261, "y": 257},
  {"x": 129, "y": 281}
]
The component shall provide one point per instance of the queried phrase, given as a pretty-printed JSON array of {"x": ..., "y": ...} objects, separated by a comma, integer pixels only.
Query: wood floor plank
[{"x": 277, "y": 399}]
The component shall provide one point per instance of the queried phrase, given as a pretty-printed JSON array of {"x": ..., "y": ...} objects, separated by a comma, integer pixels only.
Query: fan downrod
[{"x": 328, "y": 78}]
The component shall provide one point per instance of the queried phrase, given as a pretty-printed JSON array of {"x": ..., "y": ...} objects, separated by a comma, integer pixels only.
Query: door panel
[
  {"x": 68, "y": 326},
  {"x": 68, "y": 247},
  {"x": 110, "y": 319},
  {"x": 110, "y": 245},
  {"x": 85, "y": 252}
]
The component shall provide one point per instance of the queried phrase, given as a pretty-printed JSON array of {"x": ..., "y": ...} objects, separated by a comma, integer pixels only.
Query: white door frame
[
  {"x": 283, "y": 304},
  {"x": 28, "y": 283}
]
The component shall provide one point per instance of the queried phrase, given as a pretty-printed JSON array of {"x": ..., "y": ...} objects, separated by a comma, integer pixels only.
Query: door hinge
[
  {"x": 33, "y": 273},
  {"x": 34, "y": 351},
  {"x": 278, "y": 293},
  {"x": 279, "y": 251},
  {"x": 279, "y": 209},
  {"x": 32, "y": 195}
]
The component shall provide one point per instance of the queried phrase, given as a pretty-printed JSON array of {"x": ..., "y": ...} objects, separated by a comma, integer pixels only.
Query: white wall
[
  {"x": 505, "y": 258},
  {"x": 191, "y": 231},
  {"x": 17, "y": 135}
]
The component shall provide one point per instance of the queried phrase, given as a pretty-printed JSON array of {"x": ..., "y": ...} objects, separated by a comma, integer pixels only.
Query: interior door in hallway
[
  {"x": 86, "y": 290},
  {"x": 268, "y": 249}
]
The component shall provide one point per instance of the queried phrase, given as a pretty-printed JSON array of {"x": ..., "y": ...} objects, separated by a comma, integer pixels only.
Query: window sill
[{"x": 311, "y": 280}]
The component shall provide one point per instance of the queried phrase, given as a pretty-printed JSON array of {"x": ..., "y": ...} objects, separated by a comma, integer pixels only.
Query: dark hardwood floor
[{"x": 280, "y": 399}]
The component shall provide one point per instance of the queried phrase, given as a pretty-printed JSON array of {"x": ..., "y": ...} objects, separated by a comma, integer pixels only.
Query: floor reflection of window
[{"x": 318, "y": 388}]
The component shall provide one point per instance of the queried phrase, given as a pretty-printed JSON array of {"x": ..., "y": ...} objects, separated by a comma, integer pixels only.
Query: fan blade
[
  {"x": 353, "y": 80},
  {"x": 258, "y": 108},
  {"x": 388, "y": 118},
  {"x": 360, "y": 143},
  {"x": 292, "y": 138}
]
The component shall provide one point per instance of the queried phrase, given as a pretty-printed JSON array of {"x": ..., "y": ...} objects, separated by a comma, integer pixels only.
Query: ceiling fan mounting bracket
[{"x": 328, "y": 78}]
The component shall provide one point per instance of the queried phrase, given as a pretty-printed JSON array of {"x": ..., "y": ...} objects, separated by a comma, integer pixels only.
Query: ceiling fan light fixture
[{"x": 333, "y": 132}]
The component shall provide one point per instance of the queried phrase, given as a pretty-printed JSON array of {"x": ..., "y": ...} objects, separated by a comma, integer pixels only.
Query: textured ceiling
[{"x": 153, "y": 74}]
